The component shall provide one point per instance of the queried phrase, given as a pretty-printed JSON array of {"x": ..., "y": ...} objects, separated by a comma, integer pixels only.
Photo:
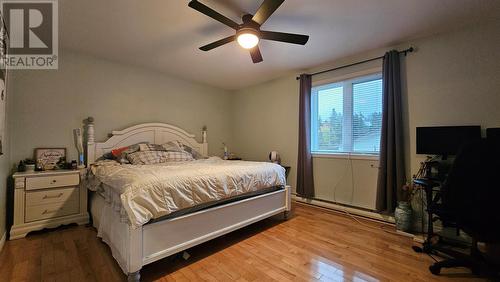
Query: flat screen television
[
  {"x": 445, "y": 140},
  {"x": 493, "y": 134}
]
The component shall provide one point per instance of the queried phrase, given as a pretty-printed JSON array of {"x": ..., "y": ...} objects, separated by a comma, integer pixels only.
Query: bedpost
[
  {"x": 288, "y": 201},
  {"x": 90, "y": 140},
  {"x": 135, "y": 253},
  {"x": 204, "y": 141}
]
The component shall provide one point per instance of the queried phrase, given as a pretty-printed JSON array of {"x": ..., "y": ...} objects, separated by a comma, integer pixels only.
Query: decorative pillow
[
  {"x": 122, "y": 158},
  {"x": 106, "y": 156},
  {"x": 179, "y": 156},
  {"x": 151, "y": 147},
  {"x": 147, "y": 157},
  {"x": 117, "y": 152}
]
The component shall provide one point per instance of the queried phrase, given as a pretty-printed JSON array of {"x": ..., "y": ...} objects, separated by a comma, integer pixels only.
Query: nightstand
[
  {"x": 234, "y": 159},
  {"x": 287, "y": 170},
  {"x": 47, "y": 199}
]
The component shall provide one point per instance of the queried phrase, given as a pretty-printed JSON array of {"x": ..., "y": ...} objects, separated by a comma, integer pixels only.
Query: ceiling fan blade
[
  {"x": 266, "y": 10},
  {"x": 256, "y": 56},
  {"x": 218, "y": 43},
  {"x": 213, "y": 14},
  {"x": 284, "y": 37}
]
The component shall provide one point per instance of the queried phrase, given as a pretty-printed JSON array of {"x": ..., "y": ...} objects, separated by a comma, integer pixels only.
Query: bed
[{"x": 138, "y": 234}]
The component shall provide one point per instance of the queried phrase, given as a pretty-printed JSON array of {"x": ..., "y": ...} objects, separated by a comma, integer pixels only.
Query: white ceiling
[{"x": 164, "y": 35}]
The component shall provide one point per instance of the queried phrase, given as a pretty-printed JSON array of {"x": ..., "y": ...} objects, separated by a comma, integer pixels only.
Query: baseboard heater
[{"x": 341, "y": 208}]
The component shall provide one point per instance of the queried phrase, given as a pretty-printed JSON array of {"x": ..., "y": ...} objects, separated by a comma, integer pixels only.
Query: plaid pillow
[
  {"x": 179, "y": 156},
  {"x": 178, "y": 146},
  {"x": 147, "y": 157},
  {"x": 151, "y": 147},
  {"x": 173, "y": 146},
  {"x": 193, "y": 152}
]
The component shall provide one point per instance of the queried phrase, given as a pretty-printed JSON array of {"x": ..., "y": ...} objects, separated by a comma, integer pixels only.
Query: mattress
[
  {"x": 141, "y": 193},
  {"x": 98, "y": 201}
]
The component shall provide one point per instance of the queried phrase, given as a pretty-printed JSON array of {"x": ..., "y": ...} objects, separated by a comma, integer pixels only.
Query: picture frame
[{"x": 48, "y": 157}]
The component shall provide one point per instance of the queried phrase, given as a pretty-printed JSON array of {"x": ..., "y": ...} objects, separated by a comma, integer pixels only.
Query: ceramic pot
[{"x": 402, "y": 215}]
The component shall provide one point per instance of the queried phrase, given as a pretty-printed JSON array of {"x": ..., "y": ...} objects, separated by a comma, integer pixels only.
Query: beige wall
[
  {"x": 453, "y": 79},
  {"x": 49, "y": 104},
  {"x": 44, "y": 107},
  {"x": 265, "y": 118}
]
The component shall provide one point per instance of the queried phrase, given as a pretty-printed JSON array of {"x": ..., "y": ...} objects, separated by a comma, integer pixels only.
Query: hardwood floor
[{"x": 314, "y": 244}]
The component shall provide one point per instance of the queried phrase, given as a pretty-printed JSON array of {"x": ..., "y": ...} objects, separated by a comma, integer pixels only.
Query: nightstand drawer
[
  {"x": 40, "y": 212},
  {"x": 50, "y": 196},
  {"x": 33, "y": 183}
]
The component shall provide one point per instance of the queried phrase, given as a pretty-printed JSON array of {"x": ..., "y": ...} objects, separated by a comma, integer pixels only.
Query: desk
[{"x": 287, "y": 170}]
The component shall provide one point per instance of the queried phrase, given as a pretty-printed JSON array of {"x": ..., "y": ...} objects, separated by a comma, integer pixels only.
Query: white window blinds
[{"x": 347, "y": 116}]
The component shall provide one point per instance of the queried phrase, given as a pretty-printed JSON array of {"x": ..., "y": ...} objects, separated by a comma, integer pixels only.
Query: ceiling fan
[{"x": 248, "y": 34}]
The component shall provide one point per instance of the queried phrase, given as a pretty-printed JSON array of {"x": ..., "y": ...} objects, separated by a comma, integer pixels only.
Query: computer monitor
[
  {"x": 445, "y": 140},
  {"x": 493, "y": 134}
]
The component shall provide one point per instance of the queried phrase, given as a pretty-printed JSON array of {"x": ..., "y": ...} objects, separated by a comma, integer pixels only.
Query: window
[{"x": 346, "y": 116}]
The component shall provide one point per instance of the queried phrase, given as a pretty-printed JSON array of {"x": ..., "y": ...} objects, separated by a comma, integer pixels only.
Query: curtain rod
[{"x": 405, "y": 52}]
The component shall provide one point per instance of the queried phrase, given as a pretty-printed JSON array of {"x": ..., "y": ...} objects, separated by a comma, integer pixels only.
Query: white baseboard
[
  {"x": 2, "y": 241},
  {"x": 354, "y": 211},
  {"x": 366, "y": 214}
]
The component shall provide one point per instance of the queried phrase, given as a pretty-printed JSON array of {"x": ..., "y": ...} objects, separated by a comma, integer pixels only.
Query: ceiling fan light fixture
[
  {"x": 248, "y": 39},
  {"x": 248, "y": 34}
]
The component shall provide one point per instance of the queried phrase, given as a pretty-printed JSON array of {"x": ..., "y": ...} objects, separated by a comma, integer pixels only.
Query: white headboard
[{"x": 155, "y": 133}]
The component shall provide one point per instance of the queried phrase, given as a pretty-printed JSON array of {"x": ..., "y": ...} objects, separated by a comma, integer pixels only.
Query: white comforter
[{"x": 148, "y": 192}]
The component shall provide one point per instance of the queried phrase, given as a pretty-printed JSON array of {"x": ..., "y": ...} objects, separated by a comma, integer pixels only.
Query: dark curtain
[
  {"x": 305, "y": 183},
  {"x": 391, "y": 175}
]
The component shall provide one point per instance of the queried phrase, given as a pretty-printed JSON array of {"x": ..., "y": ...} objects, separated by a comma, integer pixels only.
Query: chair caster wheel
[
  {"x": 426, "y": 248},
  {"x": 434, "y": 269},
  {"x": 417, "y": 249}
]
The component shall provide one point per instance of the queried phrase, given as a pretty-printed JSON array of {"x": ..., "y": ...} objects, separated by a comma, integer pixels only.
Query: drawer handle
[
  {"x": 50, "y": 211},
  {"x": 53, "y": 197},
  {"x": 53, "y": 181}
]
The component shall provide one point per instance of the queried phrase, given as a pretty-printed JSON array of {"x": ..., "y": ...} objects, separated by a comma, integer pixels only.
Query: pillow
[
  {"x": 173, "y": 146},
  {"x": 156, "y": 157},
  {"x": 193, "y": 152},
  {"x": 106, "y": 156},
  {"x": 178, "y": 146},
  {"x": 122, "y": 157},
  {"x": 147, "y": 157},
  {"x": 151, "y": 147},
  {"x": 115, "y": 154},
  {"x": 118, "y": 152},
  {"x": 179, "y": 156}
]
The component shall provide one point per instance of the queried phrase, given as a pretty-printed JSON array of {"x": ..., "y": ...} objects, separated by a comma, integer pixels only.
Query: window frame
[{"x": 355, "y": 77}]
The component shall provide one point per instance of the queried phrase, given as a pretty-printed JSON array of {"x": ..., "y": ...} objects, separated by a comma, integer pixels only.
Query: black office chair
[{"x": 471, "y": 200}]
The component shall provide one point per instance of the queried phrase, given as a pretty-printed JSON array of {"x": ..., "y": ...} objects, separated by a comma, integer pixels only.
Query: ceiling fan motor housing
[{"x": 248, "y": 30}]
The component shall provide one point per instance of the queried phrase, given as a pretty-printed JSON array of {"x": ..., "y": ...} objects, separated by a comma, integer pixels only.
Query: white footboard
[{"x": 164, "y": 238}]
